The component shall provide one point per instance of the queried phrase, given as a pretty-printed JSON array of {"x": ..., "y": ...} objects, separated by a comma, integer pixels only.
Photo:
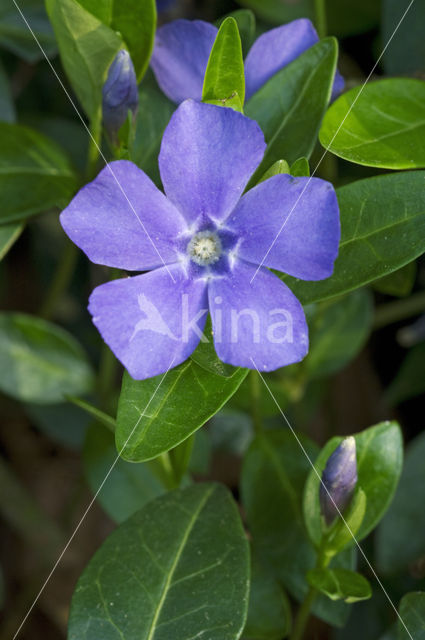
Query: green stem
[
  {"x": 303, "y": 615},
  {"x": 163, "y": 469},
  {"x": 399, "y": 310},
  {"x": 320, "y": 13},
  {"x": 94, "y": 146},
  {"x": 61, "y": 280},
  {"x": 107, "y": 371},
  {"x": 255, "y": 383},
  {"x": 180, "y": 457}
]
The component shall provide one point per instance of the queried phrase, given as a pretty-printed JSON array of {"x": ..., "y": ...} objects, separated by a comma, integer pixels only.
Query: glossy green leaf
[
  {"x": 87, "y": 48},
  {"x": 273, "y": 476},
  {"x": 399, "y": 283},
  {"x": 245, "y": 19},
  {"x": 410, "y": 378},
  {"x": 300, "y": 167},
  {"x": 39, "y": 361},
  {"x": 412, "y": 612},
  {"x": 153, "y": 115},
  {"x": 9, "y": 233},
  {"x": 340, "y": 584},
  {"x": 382, "y": 229},
  {"x": 15, "y": 35},
  {"x": 128, "y": 487},
  {"x": 35, "y": 174},
  {"x": 179, "y": 568},
  {"x": 280, "y": 166},
  {"x": 225, "y": 74},
  {"x": 157, "y": 414},
  {"x": 206, "y": 357},
  {"x": 379, "y": 125},
  {"x": 269, "y": 611},
  {"x": 400, "y": 540},
  {"x": 406, "y": 54},
  {"x": 379, "y": 463},
  {"x": 338, "y": 332},
  {"x": 7, "y": 108},
  {"x": 290, "y": 106},
  {"x": 135, "y": 20}
]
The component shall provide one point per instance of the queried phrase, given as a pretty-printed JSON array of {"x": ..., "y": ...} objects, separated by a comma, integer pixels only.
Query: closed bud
[
  {"x": 339, "y": 480},
  {"x": 120, "y": 94}
]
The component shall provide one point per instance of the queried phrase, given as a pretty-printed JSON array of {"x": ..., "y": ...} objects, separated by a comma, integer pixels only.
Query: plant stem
[
  {"x": 106, "y": 378},
  {"x": 320, "y": 13},
  {"x": 399, "y": 310},
  {"x": 61, "y": 280},
  {"x": 94, "y": 145},
  {"x": 256, "y": 399},
  {"x": 303, "y": 615}
]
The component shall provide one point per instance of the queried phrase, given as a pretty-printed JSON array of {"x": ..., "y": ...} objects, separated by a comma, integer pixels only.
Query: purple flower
[
  {"x": 120, "y": 93},
  {"x": 182, "y": 49},
  {"x": 339, "y": 480},
  {"x": 201, "y": 244}
]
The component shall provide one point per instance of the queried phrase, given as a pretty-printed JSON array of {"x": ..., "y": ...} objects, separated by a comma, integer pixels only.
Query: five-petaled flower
[
  {"x": 182, "y": 49},
  {"x": 205, "y": 247}
]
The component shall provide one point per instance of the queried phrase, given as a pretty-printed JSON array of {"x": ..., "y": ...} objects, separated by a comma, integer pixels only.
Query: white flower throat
[{"x": 204, "y": 248}]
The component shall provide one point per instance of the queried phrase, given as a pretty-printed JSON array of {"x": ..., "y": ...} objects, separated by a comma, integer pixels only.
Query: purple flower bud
[
  {"x": 119, "y": 93},
  {"x": 339, "y": 479}
]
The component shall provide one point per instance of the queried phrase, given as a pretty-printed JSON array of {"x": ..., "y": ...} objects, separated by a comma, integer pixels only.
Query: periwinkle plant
[{"x": 245, "y": 271}]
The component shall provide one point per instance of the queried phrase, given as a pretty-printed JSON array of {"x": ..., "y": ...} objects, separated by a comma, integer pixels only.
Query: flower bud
[
  {"x": 339, "y": 480},
  {"x": 119, "y": 93}
]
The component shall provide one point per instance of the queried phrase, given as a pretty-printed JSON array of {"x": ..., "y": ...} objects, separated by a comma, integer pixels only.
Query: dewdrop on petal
[
  {"x": 120, "y": 94},
  {"x": 339, "y": 480}
]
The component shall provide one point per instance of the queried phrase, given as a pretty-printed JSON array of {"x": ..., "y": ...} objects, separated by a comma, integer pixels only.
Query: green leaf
[
  {"x": 282, "y": 11},
  {"x": 35, "y": 174},
  {"x": 382, "y": 229},
  {"x": 9, "y": 233},
  {"x": 338, "y": 332},
  {"x": 15, "y": 35},
  {"x": 179, "y": 568},
  {"x": 87, "y": 48},
  {"x": 400, "y": 540},
  {"x": 273, "y": 476},
  {"x": 269, "y": 611},
  {"x": 410, "y": 378},
  {"x": 300, "y": 168},
  {"x": 340, "y": 584},
  {"x": 379, "y": 125},
  {"x": 399, "y": 283},
  {"x": 39, "y": 361},
  {"x": 157, "y": 414},
  {"x": 134, "y": 20},
  {"x": 153, "y": 115},
  {"x": 231, "y": 431},
  {"x": 290, "y": 106},
  {"x": 412, "y": 612},
  {"x": 406, "y": 54},
  {"x": 245, "y": 19},
  {"x": 280, "y": 166},
  {"x": 206, "y": 357},
  {"x": 128, "y": 487},
  {"x": 341, "y": 533},
  {"x": 7, "y": 108},
  {"x": 225, "y": 74},
  {"x": 379, "y": 463}
]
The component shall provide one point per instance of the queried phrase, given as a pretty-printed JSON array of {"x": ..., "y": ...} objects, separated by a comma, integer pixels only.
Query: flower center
[{"x": 204, "y": 248}]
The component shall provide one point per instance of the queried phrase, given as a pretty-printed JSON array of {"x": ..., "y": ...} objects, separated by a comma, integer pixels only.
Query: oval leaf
[
  {"x": 39, "y": 361},
  {"x": 290, "y": 106},
  {"x": 382, "y": 229},
  {"x": 225, "y": 74},
  {"x": 179, "y": 568},
  {"x": 379, "y": 463},
  {"x": 412, "y": 612},
  {"x": 168, "y": 412},
  {"x": 380, "y": 125},
  {"x": 35, "y": 174}
]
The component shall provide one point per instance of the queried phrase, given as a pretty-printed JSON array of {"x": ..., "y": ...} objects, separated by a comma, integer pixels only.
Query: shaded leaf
[
  {"x": 340, "y": 584},
  {"x": 7, "y": 108},
  {"x": 15, "y": 35},
  {"x": 410, "y": 378},
  {"x": 412, "y": 612},
  {"x": 179, "y": 568},
  {"x": 9, "y": 233},
  {"x": 39, "y": 361}
]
